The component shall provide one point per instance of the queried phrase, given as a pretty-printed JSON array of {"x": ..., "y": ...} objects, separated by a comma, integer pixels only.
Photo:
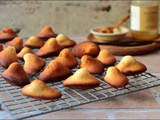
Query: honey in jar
[{"x": 144, "y": 19}]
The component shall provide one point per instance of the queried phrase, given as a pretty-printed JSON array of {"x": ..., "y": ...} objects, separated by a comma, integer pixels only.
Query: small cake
[
  {"x": 55, "y": 71},
  {"x": 67, "y": 58},
  {"x": 24, "y": 51},
  {"x": 115, "y": 78},
  {"x": 33, "y": 64},
  {"x": 93, "y": 65},
  {"x": 40, "y": 90},
  {"x": 46, "y": 33},
  {"x": 49, "y": 49},
  {"x": 65, "y": 41},
  {"x": 7, "y": 34},
  {"x": 17, "y": 42},
  {"x": 8, "y": 56},
  {"x": 86, "y": 48},
  {"x": 130, "y": 66},
  {"x": 106, "y": 57},
  {"x": 34, "y": 42},
  {"x": 81, "y": 79},
  {"x": 15, "y": 75}
]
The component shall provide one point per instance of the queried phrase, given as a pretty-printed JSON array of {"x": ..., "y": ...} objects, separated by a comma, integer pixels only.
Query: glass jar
[{"x": 144, "y": 19}]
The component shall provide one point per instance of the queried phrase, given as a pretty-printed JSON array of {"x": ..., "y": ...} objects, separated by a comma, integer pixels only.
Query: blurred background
[{"x": 67, "y": 17}]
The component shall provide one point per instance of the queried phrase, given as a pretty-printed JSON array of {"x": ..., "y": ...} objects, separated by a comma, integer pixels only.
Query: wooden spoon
[{"x": 109, "y": 29}]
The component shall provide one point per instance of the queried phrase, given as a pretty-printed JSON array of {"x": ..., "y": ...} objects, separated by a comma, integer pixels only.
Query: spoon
[{"x": 109, "y": 29}]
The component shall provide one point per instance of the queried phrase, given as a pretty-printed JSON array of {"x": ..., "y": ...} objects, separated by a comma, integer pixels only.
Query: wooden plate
[{"x": 128, "y": 46}]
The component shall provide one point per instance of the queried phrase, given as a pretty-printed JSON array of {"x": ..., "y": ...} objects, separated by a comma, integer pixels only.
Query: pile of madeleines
[{"x": 49, "y": 44}]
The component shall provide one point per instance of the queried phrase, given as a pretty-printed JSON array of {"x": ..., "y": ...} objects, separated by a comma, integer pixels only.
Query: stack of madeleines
[{"x": 65, "y": 54}]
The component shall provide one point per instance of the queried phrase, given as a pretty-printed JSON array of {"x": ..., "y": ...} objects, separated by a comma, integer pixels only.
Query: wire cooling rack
[{"x": 20, "y": 106}]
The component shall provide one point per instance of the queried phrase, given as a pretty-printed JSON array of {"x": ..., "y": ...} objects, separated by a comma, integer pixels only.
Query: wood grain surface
[{"x": 128, "y": 45}]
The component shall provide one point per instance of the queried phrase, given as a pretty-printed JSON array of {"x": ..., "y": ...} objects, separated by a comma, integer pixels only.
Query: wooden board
[{"x": 128, "y": 46}]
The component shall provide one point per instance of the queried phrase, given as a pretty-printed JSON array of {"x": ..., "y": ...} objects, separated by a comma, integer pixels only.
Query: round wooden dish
[{"x": 128, "y": 46}]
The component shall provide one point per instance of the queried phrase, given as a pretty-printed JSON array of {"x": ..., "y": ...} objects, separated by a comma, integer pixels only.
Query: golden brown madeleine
[
  {"x": 130, "y": 66},
  {"x": 8, "y": 56},
  {"x": 24, "y": 51},
  {"x": 49, "y": 49},
  {"x": 55, "y": 71},
  {"x": 46, "y": 33},
  {"x": 81, "y": 79},
  {"x": 65, "y": 41},
  {"x": 7, "y": 34},
  {"x": 93, "y": 65},
  {"x": 106, "y": 57},
  {"x": 17, "y": 42},
  {"x": 67, "y": 58},
  {"x": 33, "y": 64},
  {"x": 115, "y": 78},
  {"x": 40, "y": 90},
  {"x": 34, "y": 42},
  {"x": 86, "y": 48},
  {"x": 15, "y": 75}
]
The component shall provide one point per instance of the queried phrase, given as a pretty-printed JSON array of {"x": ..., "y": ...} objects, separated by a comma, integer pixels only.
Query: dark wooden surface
[{"x": 128, "y": 45}]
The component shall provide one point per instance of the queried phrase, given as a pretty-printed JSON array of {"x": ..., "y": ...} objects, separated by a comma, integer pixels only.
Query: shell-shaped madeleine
[
  {"x": 24, "y": 51},
  {"x": 34, "y": 42},
  {"x": 40, "y": 90},
  {"x": 15, "y": 75},
  {"x": 93, "y": 65},
  {"x": 7, "y": 34},
  {"x": 106, "y": 57},
  {"x": 8, "y": 56},
  {"x": 130, "y": 66},
  {"x": 86, "y": 48},
  {"x": 32, "y": 63},
  {"x": 55, "y": 71},
  {"x": 46, "y": 33},
  {"x": 115, "y": 78},
  {"x": 81, "y": 79},
  {"x": 65, "y": 41},
  {"x": 67, "y": 58},
  {"x": 17, "y": 42},
  {"x": 49, "y": 49}
]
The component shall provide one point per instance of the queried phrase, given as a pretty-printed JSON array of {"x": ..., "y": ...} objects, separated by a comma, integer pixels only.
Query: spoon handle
[{"x": 122, "y": 20}]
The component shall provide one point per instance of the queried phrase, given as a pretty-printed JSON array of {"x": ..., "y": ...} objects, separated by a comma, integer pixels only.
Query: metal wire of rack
[{"x": 20, "y": 106}]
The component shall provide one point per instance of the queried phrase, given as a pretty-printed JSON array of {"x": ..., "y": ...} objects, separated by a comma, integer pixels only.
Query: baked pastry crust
[
  {"x": 40, "y": 90},
  {"x": 65, "y": 41},
  {"x": 49, "y": 49},
  {"x": 67, "y": 58},
  {"x": 106, "y": 57},
  {"x": 34, "y": 42},
  {"x": 130, "y": 66},
  {"x": 33, "y": 64},
  {"x": 24, "y": 51},
  {"x": 115, "y": 78},
  {"x": 7, "y": 34},
  {"x": 55, "y": 71},
  {"x": 8, "y": 56},
  {"x": 81, "y": 79},
  {"x": 17, "y": 42},
  {"x": 86, "y": 48},
  {"x": 46, "y": 33},
  {"x": 15, "y": 75},
  {"x": 93, "y": 65}
]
